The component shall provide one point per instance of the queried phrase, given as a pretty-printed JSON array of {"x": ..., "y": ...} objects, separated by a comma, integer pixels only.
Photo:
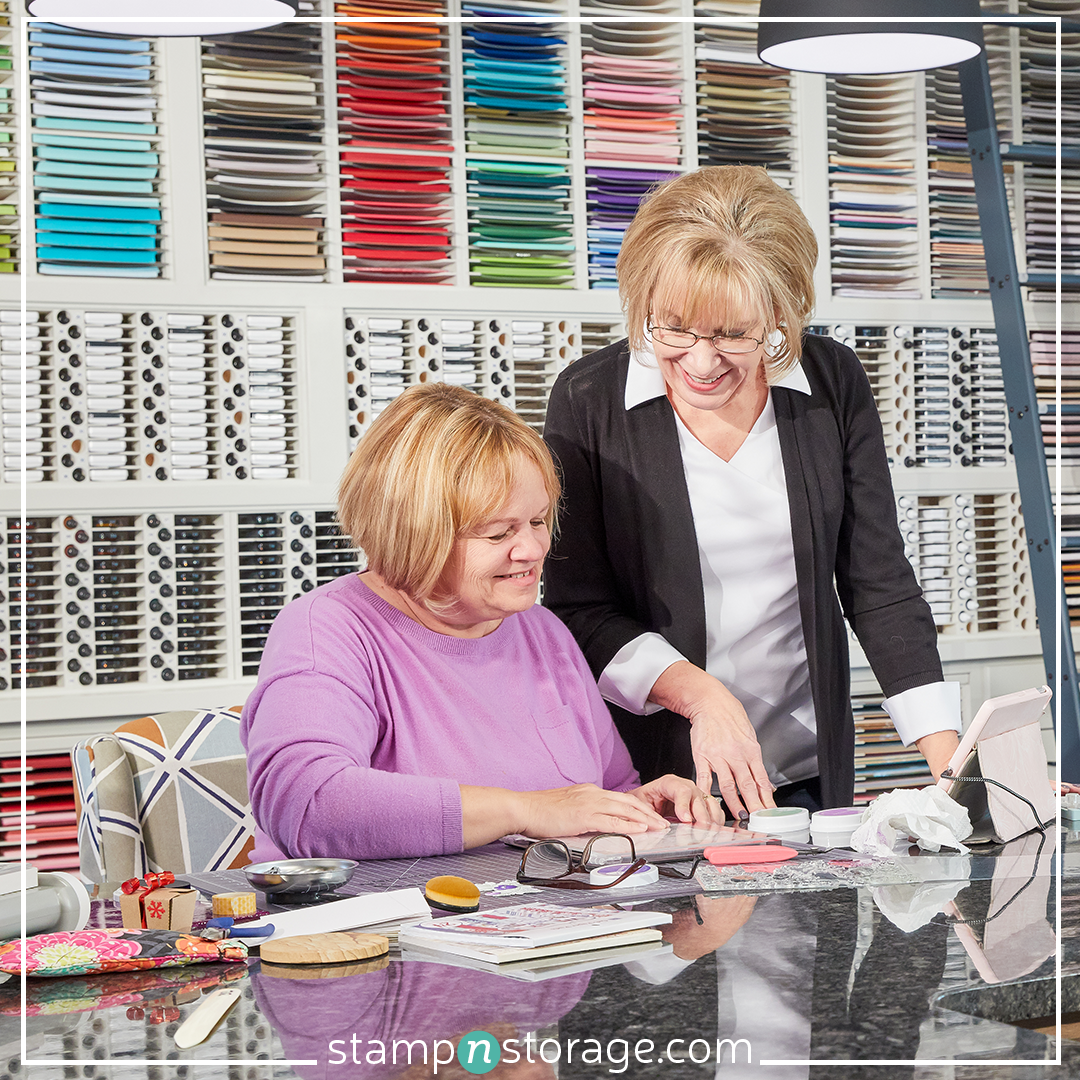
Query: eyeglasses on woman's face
[{"x": 687, "y": 339}]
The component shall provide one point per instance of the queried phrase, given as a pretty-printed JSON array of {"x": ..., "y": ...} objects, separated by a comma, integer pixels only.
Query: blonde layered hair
[
  {"x": 727, "y": 239},
  {"x": 437, "y": 462}
]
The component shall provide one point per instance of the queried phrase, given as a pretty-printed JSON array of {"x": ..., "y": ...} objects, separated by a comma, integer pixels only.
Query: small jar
[
  {"x": 833, "y": 828},
  {"x": 787, "y": 822}
]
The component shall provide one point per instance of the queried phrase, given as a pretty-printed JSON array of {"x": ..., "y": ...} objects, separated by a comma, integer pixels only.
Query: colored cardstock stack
[
  {"x": 632, "y": 91},
  {"x": 393, "y": 95},
  {"x": 393, "y": 78},
  {"x": 9, "y": 180},
  {"x": 96, "y": 153},
  {"x": 874, "y": 236},
  {"x": 263, "y": 117},
  {"x": 520, "y": 225},
  {"x": 633, "y": 113},
  {"x": 613, "y": 196},
  {"x": 745, "y": 114},
  {"x": 1038, "y": 121},
  {"x": 957, "y": 261},
  {"x": 51, "y": 826}
]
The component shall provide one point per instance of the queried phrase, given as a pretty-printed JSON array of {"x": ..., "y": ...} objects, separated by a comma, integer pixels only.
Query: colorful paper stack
[
  {"x": 1044, "y": 363},
  {"x": 1038, "y": 82},
  {"x": 957, "y": 262},
  {"x": 882, "y": 762},
  {"x": 515, "y": 81},
  {"x": 1068, "y": 509},
  {"x": 51, "y": 817},
  {"x": 96, "y": 153},
  {"x": 9, "y": 181},
  {"x": 873, "y": 199},
  {"x": 263, "y": 131},
  {"x": 393, "y": 79},
  {"x": 633, "y": 113},
  {"x": 632, "y": 91},
  {"x": 745, "y": 114},
  {"x": 396, "y": 215},
  {"x": 393, "y": 94},
  {"x": 520, "y": 227},
  {"x": 612, "y": 197}
]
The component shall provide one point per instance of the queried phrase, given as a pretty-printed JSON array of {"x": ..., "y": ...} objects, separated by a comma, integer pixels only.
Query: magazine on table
[
  {"x": 587, "y": 955},
  {"x": 527, "y": 926}
]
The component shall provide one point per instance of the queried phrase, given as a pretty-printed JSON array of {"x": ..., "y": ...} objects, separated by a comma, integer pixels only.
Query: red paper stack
[
  {"x": 393, "y": 95},
  {"x": 51, "y": 817}
]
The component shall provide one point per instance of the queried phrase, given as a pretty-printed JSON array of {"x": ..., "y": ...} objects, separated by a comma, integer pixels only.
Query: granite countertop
[{"x": 856, "y": 975}]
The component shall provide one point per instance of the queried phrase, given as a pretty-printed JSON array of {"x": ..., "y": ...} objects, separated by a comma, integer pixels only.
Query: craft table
[{"x": 797, "y": 976}]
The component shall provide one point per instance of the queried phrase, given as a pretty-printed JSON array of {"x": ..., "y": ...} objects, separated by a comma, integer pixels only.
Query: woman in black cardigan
[{"x": 728, "y": 504}]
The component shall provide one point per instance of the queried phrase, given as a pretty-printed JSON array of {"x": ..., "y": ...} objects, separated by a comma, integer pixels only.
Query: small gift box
[{"x": 152, "y": 905}]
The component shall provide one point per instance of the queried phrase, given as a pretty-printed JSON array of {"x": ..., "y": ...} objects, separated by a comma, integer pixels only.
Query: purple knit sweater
[{"x": 363, "y": 723}]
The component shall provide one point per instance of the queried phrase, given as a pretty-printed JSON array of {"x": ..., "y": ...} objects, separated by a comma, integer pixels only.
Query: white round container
[
  {"x": 790, "y": 822},
  {"x": 604, "y": 875},
  {"x": 833, "y": 828}
]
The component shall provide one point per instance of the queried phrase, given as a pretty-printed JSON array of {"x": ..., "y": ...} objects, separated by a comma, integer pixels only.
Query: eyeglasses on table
[{"x": 550, "y": 863}]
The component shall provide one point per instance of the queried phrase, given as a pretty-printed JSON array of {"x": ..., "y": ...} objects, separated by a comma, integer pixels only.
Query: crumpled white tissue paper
[
  {"x": 908, "y": 907},
  {"x": 927, "y": 814}
]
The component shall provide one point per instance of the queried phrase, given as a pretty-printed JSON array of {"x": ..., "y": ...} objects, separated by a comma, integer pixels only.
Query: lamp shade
[
  {"x": 144, "y": 18},
  {"x": 842, "y": 47}
]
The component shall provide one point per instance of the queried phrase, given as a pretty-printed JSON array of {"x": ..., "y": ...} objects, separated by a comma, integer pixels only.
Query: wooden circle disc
[{"x": 324, "y": 948}]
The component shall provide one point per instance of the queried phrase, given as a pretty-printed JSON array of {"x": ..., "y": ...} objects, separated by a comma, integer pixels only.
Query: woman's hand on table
[
  {"x": 675, "y": 796},
  {"x": 488, "y": 813},
  {"x": 586, "y": 808},
  {"x": 722, "y": 739}
]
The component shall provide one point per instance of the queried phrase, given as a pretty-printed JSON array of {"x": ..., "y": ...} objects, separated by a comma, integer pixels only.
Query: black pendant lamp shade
[
  {"x": 842, "y": 47},
  {"x": 143, "y": 18}
]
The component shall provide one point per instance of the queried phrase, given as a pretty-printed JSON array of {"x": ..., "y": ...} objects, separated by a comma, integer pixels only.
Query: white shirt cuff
[
  {"x": 922, "y": 710},
  {"x": 628, "y": 679}
]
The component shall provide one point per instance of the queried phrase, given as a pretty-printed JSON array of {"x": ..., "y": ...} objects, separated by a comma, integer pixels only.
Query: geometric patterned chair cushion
[{"x": 166, "y": 792}]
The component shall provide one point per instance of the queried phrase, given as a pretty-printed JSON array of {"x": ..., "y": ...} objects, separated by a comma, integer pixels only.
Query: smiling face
[
  {"x": 494, "y": 570},
  {"x": 704, "y": 377}
]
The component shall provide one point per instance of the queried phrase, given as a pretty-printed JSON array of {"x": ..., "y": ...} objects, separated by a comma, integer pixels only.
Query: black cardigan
[{"x": 626, "y": 559}]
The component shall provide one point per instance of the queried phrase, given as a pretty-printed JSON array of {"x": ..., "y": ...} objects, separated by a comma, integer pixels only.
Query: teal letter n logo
[{"x": 478, "y": 1052}]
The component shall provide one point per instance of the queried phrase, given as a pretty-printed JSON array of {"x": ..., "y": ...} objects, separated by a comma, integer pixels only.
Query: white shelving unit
[{"x": 154, "y": 592}]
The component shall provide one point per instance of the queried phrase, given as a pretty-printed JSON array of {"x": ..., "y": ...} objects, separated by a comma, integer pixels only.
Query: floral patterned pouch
[{"x": 97, "y": 952}]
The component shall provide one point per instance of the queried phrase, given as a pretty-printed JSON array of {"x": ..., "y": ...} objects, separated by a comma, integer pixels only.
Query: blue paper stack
[
  {"x": 96, "y": 158},
  {"x": 520, "y": 224}
]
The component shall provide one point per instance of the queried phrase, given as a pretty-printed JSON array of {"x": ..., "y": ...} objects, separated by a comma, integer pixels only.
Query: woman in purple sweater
[{"x": 428, "y": 705}]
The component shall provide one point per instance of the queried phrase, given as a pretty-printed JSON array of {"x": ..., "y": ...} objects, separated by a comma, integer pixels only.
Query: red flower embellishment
[{"x": 155, "y": 909}]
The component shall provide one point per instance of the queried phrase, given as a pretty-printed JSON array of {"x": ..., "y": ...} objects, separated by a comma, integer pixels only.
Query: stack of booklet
[{"x": 536, "y": 941}]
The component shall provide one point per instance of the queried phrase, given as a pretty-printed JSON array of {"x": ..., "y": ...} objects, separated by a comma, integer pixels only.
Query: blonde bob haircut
[
  {"x": 437, "y": 462},
  {"x": 727, "y": 240}
]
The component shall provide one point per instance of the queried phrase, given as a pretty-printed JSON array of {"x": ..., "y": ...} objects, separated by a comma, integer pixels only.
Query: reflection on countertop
[{"x": 850, "y": 975}]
